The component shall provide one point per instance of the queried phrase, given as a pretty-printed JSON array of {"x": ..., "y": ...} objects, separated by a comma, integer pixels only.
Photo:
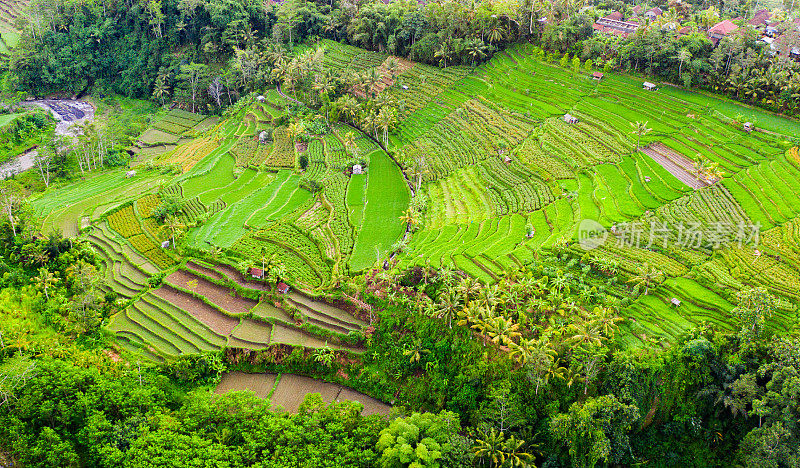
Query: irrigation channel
[{"x": 69, "y": 113}]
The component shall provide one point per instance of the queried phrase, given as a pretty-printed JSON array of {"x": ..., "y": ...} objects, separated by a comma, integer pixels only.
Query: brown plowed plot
[
  {"x": 211, "y": 317},
  {"x": 371, "y": 405},
  {"x": 292, "y": 390},
  {"x": 675, "y": 164},
  {"x": 205, "y": 271},
  {"x": 237, "y": 278},
  {"x": 260, "y": 384},
  {"x": 217, "y": 295}
]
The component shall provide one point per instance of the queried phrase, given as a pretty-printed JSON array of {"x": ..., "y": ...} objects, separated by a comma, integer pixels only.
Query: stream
[{"x": 68, "y": 113}]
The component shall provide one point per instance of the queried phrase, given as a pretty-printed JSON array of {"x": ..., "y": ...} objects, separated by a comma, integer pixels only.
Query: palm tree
[
  {"x": 640, "y": 129},
  {"x": 161, "y": 89},
  {"x": 415, "y": 351},
  {"x": 173, "y": 225},
  {"x": 489, "y": 448},
  {"x": 476, "y": 50},
  {"x": 537, "y": 356},
  {"x": 501, "y": 330},
  {"x": 646, "y": 276},
  {"x": 605, "y": 319},
  {"x": 515, "y": 456},
  {"x": 349, "y": 107},
  {"x": 448, "y": 306},
  {"x": 392, "y": 66},
  {"x": 45, "y": 280},
  {"x": 468, "y": 288},
  {"x": 386, "y": 119},
  {"x": 443, "y": 53},
  {"x": 496, "y": 34},
  {"x": 409, "y": 217}
]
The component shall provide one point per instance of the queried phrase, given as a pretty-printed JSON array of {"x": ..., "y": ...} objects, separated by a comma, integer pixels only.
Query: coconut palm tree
[
  {"x": 386, "y": 119},
  {"x": 409, "y": 217},
  {"x": 174, "y": 227},
  {"x": 161, "y": 89},
  {"x": 639, "y": 129},
  {"x": 515, "y": 454},
  {"x": 392, "y": 66},
  {"x": 489, "y": 448},
  {"x": 415, "y": 351},
  {"x": 468, "y": 288},
  {"x": 501, "y": 330},
  {"x": 537, "y": 356},
  {"x": 606, "y": 320},
  {"x": 646, "y": 276},
  {"x": 447, "y": 306}
]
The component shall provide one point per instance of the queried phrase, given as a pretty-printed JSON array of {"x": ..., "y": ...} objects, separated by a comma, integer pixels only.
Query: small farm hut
[
  {"x": 130, "y": 174},
  {"x": 165, "y": 244},
  {"x": 748, "y": 127},
  {"x": 261, "y": 99},
  {"x": 675, "y": 301},
  {"x": 357, "y": 169},
  {"x": 649, "y": 86},
  {"x": 283, "y": 288},
  {"x": 570, "y": 119},
  {"x": 257, "y": 273},
  {"x": 597, "y": 76}
]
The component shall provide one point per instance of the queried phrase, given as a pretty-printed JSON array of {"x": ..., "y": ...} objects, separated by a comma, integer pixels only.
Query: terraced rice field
[
  {"x": 501, "y": 177},
  {"x": 218, "y": 296}
]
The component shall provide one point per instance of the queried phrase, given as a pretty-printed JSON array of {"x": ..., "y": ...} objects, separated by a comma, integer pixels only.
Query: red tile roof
[
  {"x": 283, "y": 288},
  {"x": 723, "y": 28},
  {"x": 616, "y": 16},
  {"x": 257, "y": 272}
]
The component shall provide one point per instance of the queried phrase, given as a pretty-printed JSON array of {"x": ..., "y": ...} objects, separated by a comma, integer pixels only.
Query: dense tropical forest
[{"x": 399, "y": 234}]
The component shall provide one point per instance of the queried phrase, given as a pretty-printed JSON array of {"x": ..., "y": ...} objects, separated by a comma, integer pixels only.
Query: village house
[
  {"x": 720, "y": 30},
  {"x": 613, "y": 24},
  {"x": 653, "y": 13},
  {"x": 256, "y": 273}
]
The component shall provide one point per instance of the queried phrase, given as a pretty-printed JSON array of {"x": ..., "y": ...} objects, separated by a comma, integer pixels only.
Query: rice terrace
[{"x": 319, "y": 243}]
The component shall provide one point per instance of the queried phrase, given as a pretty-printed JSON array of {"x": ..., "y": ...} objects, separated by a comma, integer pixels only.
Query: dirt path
[{"x": 676, "y": 164}]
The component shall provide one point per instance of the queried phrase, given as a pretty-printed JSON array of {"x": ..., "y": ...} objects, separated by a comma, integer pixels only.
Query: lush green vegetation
[{"x": 388, "y": 203}]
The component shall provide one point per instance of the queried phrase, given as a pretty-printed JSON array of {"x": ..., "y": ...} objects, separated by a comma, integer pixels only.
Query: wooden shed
[
  {"x": 597, "y": 76},
  {"x": 570, "y": 119}
]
